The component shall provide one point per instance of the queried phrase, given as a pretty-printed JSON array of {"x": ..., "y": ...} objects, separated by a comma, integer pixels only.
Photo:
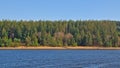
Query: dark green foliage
[
  {"x": 34, "y": 40},
  {"x": 28, "y": 41},
  {"x": 59, "y": 33},
  {"x": 16, "y": 43}
]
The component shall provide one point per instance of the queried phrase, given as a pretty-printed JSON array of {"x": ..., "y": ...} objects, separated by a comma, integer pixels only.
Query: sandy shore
[{"x": 60, "y": 48}]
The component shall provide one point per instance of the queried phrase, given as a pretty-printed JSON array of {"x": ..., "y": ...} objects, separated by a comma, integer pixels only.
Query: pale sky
[{"x": 60, "y": 9}]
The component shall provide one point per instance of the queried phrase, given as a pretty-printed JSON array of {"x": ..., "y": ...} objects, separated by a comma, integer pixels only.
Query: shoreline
[{"x": 60, "y": 48}]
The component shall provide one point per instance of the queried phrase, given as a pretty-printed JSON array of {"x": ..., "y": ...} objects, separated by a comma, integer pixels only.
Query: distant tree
[
  {"x": 99, "y": 39},
  {"x": 60, "y": 33},
  {"x": 34, "y": 40},
  {"x": 28, "y": 41}
]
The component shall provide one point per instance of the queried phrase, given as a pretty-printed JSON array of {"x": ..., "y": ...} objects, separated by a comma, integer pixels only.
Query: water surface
[{"x": 59, "y": 58}]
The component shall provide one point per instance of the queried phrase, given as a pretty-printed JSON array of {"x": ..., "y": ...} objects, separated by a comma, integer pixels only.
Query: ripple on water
[{"x": 60, "y": 59}]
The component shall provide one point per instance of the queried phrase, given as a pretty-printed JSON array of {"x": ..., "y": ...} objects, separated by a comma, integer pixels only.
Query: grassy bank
[{"x": 59, "y": 48}]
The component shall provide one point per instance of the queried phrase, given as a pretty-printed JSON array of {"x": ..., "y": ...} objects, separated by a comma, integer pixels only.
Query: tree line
[{"x": 59, "y": 33}]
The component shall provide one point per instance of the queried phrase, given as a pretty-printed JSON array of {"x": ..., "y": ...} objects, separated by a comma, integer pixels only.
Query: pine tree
[{"x": 28, "y": 41}]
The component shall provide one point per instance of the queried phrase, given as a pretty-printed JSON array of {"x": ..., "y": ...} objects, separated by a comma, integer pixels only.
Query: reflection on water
[{"x": 59, "y": 58}]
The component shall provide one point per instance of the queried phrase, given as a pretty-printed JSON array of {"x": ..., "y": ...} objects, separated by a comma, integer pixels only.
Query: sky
[{"x": 60, "y": 9}]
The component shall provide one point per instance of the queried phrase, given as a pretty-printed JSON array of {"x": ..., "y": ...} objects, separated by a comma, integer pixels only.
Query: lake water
[{"x": 59, "y": 58}]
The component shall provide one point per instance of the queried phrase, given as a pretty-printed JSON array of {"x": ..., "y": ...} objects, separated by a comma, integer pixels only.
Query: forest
[{"x": 59, "y": 33}]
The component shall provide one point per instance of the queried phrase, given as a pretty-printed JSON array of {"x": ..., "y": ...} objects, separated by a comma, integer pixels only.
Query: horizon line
[{"x": 59, "y": 20}]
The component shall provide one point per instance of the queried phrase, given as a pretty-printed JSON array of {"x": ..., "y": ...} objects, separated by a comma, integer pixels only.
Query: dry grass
[{"x": 60, "y": 48}]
